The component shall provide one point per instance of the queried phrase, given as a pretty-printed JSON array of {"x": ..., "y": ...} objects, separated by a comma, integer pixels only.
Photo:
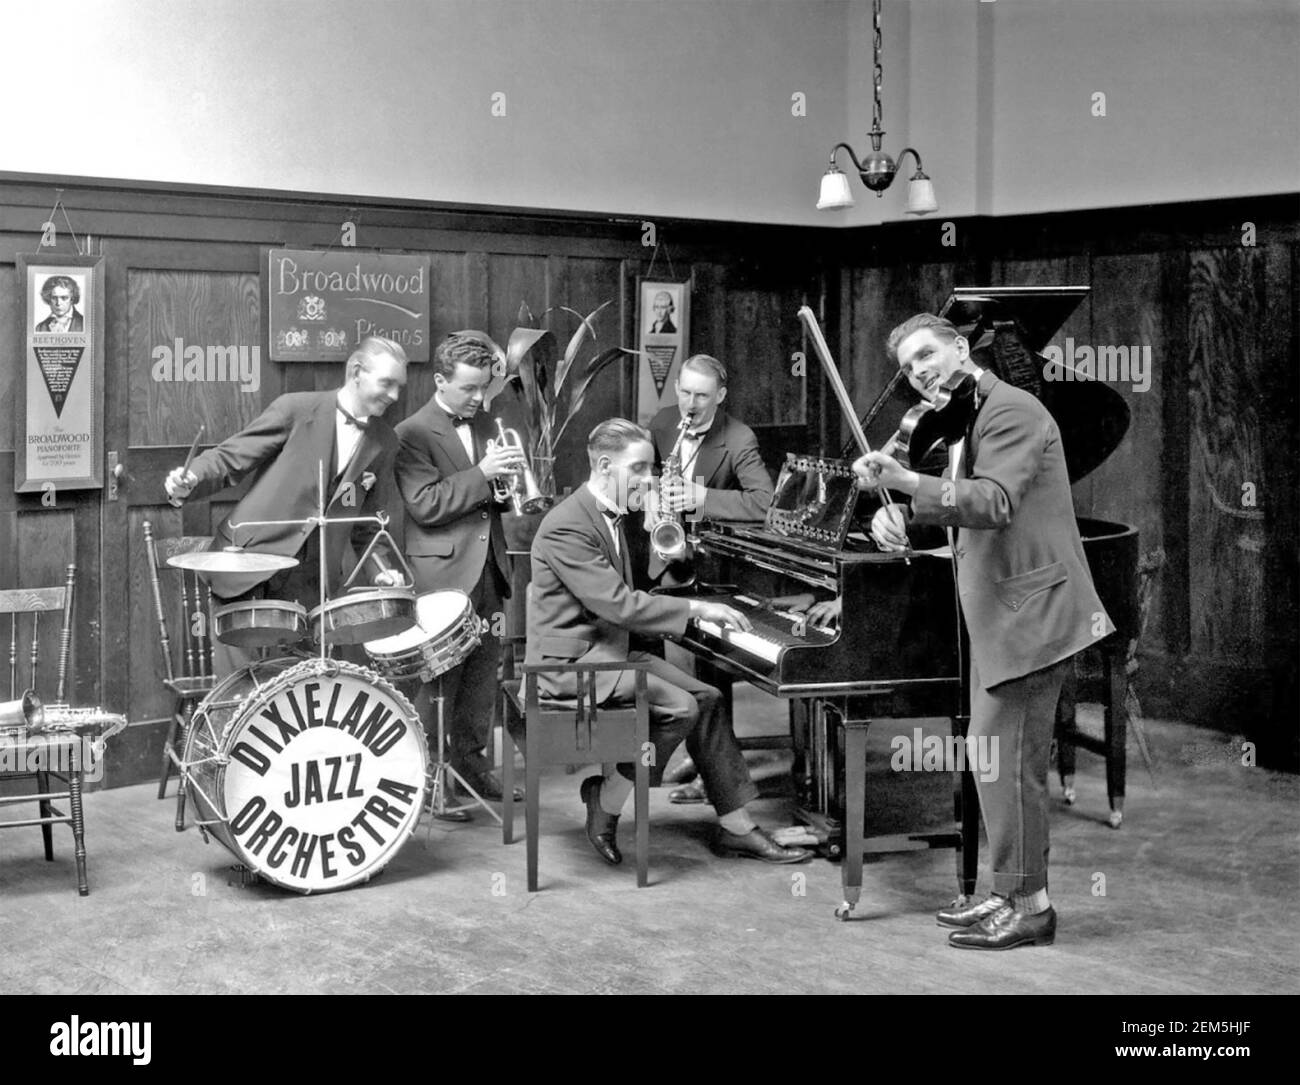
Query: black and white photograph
[{"x": 652, "y": 498}]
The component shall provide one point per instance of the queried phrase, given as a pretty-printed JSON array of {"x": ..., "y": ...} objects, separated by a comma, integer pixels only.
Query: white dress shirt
[
  {"x": 347, "y": 439},
  {"x": 614, "y": 529},
  {"x": 464, "y": 434}
]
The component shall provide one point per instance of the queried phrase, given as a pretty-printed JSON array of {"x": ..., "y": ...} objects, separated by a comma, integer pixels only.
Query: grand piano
[{"x": 898, "y": 651}]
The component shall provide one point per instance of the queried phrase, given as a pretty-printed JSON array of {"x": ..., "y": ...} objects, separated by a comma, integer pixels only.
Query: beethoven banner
[{"x": 60, "y": 401}]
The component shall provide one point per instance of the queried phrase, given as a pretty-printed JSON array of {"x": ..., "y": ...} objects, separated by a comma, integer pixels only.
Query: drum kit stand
[{"x": 408, "y": 639}]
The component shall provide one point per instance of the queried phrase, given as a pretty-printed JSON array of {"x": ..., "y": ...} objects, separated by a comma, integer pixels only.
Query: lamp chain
[{"x": 879, "y": 74}]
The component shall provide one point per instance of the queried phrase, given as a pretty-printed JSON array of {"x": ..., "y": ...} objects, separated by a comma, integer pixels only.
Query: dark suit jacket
[
  {"x": 453, "y": 524},
  {"x": 581, "y": 605},
  {"x": 281, "y": 450},
  {"x": 1026, "y": 591},
  {"x": 669, "y": 328},
  {"x": 78, "y": 323},
  {"x": 728, "y": 464}
]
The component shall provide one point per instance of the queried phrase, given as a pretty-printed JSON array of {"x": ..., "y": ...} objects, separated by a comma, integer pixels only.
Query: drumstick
[{"x": 176, "y": 502}]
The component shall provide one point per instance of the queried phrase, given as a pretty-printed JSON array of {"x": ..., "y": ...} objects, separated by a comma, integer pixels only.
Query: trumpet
[
  {"x": 667, "y": 535},
  {"x": 520, "y": 488}
]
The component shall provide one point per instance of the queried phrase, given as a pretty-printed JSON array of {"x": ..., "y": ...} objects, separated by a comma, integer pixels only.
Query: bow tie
[
  {"x": 351, "y": 419},
  {"x": 614, "y": 518},
  {"x": 456, "y": 420}
]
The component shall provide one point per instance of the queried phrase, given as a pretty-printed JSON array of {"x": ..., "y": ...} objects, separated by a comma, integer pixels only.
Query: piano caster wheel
[
  {"x": 844, "y": 912},
  {"x": 1070, "y": 796},
  {"x": 1116, "y": 818}
]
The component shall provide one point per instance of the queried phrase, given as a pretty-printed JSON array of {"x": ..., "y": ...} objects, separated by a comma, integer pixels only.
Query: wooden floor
[{"x": 1195, "y": 894}]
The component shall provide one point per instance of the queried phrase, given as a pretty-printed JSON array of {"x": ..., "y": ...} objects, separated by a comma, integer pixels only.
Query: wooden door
[{"x": 164, "y": 298}]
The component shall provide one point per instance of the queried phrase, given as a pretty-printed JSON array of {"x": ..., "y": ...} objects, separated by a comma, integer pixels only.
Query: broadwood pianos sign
[{"x": 322, "y": 304}]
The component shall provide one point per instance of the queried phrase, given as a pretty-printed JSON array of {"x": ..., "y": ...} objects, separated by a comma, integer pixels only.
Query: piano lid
[{"x": 1008, "y": 326}]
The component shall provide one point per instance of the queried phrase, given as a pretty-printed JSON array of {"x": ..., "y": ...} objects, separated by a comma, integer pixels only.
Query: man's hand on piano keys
[
  {"x": 820, "y": 615},
  {"x": 723, "y": 615},
  {"x": 889, "y": 527},
  {"x": 824, "y": 614}
]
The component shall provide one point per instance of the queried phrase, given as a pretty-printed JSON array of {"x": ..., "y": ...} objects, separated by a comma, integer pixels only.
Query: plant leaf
[
  {"x": 594, "y": 368},
  {"x": 587, "y": 327}
]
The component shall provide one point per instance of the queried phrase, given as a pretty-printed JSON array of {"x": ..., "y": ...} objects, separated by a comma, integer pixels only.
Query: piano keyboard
[{"x": 774, "y": 630}]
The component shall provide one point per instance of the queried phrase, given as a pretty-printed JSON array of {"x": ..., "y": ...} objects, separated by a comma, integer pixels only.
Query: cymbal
[{"x": 233, "y": 559}]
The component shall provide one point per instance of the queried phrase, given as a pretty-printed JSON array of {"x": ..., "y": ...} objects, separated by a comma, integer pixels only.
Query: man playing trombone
[{"x": 447, "y": 463}]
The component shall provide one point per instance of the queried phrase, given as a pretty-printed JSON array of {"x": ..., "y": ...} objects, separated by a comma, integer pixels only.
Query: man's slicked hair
[
  {"x": 373, "y": 347},
  {"x": 944, "y": 329},
  {"x": 612, "y": 436},
  {"x": 709, "y": 366},
  {"x": 462, "y": 348}
]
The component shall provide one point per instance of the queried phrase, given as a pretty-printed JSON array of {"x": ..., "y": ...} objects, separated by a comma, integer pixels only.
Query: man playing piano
[
  {"x": 1028, "y": 600},
  {"x": 582, "y": 607},
  {"x": 722, "y": 478}
]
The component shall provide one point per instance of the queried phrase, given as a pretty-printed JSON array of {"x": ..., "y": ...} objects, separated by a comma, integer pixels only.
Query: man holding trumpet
[{"x": 445, "y": 473}]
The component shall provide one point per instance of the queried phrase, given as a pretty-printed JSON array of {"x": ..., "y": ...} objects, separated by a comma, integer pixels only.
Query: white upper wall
[{"x": 660, "y": 107}]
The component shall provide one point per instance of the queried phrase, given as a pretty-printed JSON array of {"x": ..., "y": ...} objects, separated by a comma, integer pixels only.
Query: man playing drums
[{"x": 283, "y": 450}]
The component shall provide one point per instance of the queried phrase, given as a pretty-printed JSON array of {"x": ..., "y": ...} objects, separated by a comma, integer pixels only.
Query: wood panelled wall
[
  {"x": 188, "y": 266},
  {"x": 1208, "y": 471},
  {"x": 1221, "y": 411}
]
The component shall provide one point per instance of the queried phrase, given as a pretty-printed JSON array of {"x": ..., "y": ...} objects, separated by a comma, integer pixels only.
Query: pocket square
[{"x": 367, "y": 480}]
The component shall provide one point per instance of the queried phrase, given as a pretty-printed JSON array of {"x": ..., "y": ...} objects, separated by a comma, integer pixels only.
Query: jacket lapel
[
  {"x": 988, "y": 381},
  {"x": 366, "y": 451},
  {"x": 711, "y": 453},
  {"x": 444, "y": 433},
  {"x": 601, "y": 527},
  {"x": 322, "y": 441}
]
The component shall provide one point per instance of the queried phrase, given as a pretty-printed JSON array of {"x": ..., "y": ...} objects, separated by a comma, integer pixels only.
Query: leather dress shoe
[
  {"x": 683, "y": 773},
  {"x": 1006, "y": 928},
  {"x": 602, "y": 828},
  {"x": 756, "y": 844},
  {"x": 690, "y": 793},
  {"x": 488, "y": 785},
  {"x": 968, "y": 915}
]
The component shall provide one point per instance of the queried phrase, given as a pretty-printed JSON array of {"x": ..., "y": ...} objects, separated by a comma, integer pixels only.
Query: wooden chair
[
  {"x": 57, "y": 756},
  {"x": 558, "y": 733},
  {"x": 189, "y": 676}
]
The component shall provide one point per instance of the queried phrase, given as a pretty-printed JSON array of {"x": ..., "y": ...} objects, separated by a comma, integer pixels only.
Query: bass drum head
[{"x": 323, "y": 774}]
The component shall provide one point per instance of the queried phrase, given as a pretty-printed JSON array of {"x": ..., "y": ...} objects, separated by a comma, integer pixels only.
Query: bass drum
[{"x": 311, "y": 773}]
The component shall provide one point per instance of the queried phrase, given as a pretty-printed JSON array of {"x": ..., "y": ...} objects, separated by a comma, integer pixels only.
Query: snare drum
[
  {"x": 311, "y": 773},
  {"x": 260, "y": 623},
  {"x": 447, "y": 631},
  {"x": 364, "y": 614}
]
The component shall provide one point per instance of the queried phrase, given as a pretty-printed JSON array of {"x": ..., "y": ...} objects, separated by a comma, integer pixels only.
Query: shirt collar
[
  {"x": 338, "y": 402},
  {"x": 601, "y": 500}
]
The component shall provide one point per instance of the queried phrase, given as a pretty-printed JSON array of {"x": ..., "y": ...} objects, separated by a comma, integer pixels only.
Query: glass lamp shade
[
  {"x": 920, "y": 196},
  {"x": 835, "y": 193}
]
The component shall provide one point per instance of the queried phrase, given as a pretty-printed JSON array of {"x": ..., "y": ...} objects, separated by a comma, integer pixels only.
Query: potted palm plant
[{"x": 541, "y": 395}]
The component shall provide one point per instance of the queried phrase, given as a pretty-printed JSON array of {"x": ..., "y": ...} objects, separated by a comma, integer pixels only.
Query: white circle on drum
[{"x": 325, "y": 777}]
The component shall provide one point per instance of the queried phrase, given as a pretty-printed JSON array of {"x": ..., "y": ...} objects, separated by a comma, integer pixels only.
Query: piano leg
[
  {"x": 966, "y": 814},
  {"x": 1116, "y": 721},
  {"x": 1065, "y": 731},
  {"x": 855, "y": 807}
]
